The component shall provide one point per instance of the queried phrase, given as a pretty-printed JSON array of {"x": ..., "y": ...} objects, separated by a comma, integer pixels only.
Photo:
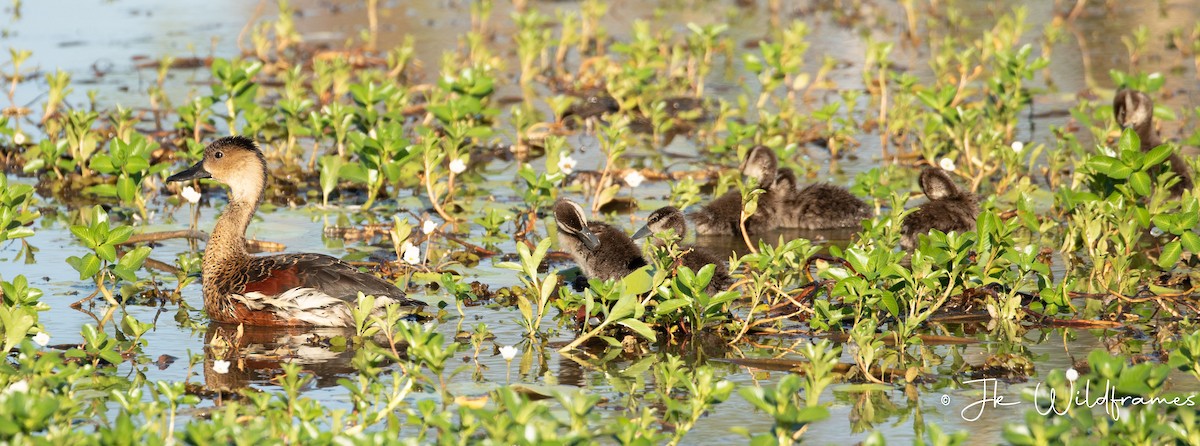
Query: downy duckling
[
  {"x": 816, "y": 206},
  {"x": 1134, "y": 109},
  {"x": 694, "y": 257},
  {"x": 948, "y": 209},
  {"x": 280, "y": 290},
  {"x": 602, "y": 251},
  {"x": 723, "y": 215}
]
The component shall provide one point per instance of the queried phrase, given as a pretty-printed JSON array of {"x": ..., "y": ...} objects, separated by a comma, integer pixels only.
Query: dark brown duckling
[
  {"x": 280, "y": 290},
  {"x": 949, "y": 209},
  {"x": 602, "y": 251},
  {"x": 694, "y": 257},
  {"x": 723, "y": 215},
  {"x": 816, "y": 206},
  {"x": 1134, "y": 109}
]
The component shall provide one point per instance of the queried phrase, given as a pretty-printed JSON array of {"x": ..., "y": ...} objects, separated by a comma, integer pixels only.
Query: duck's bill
[
  {"x": 195, "y": 172},
  {"x": 589, "y": 239},
  {"x": 643, "y": 232}
]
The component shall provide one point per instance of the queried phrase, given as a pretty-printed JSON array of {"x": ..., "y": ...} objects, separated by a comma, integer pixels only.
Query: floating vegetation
[{"x": 912, "y": 219}]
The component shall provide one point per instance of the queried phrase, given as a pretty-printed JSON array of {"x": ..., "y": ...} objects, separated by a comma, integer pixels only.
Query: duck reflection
[{"x": 236, "y": 358}]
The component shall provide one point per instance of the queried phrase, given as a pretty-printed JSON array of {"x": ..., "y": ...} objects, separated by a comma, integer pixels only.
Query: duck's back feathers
[{"x": 822, "y": 206}]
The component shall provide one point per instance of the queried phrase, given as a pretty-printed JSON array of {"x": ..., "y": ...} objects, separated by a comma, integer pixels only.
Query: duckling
[
  {"x": 723, "y": 215},
  {"x": 1134, "y": 109},
  {"x": 278, "y": 290},
  {"x": 948, "y": 209},
  {"x": 816, "y": 206},
  {"x": 694, "y": 257},
  {"x": 601, "y": 250}
]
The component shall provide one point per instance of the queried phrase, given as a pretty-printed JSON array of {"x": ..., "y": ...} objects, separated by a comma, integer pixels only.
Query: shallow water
[{"x": 100, "y": 43}]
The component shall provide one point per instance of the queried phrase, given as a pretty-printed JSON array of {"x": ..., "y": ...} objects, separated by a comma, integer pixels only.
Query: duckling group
[{"x": 319, "y": 290}]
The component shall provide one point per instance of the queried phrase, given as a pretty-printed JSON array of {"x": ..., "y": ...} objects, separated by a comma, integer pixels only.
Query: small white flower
[
  {"x": 508, "y": 352},
  {"x": 1027, "y": 249},
  {"x": 190, "y": 194},
  {"x": 567, "y": 164},
  {"x": 1072, "y": 375},
  {"x": 458, "y": 166},
  {"x": 372, "y": 134},
  {"x": 1156, "y": 231},
  {"x": 21, "y": 386},
  {"x": 221, "y": 366},
  {"x": 41, "y": 339},
  {"x": 947, "y": 164},
  {"x": 411, "y": 254},
  {"x": 19, "y": 138},
  {"x": 634, "y": 178},
  {"x": 428, "y": 227},
  {"x": 1018, "y": 147}
]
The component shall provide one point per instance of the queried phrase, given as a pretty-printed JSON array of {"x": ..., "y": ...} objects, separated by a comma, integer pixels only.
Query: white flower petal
[
  {"x": 458, "y": 166},
  {"x": 221, "y": 366},
  {"x": 428, "y": 227},
  {"x": 411, "y": 254},
  {"x": 19, "y": 138},
  {"x": 634, "y": 178},
  {"x": 190, "y": 194},
  {"x": 1018, "y": 147},
  {"x": 947, "y": 164},
  {"x": 508, "y": 352},
  {"x": 567, "y": 164},
  {"x": 41, "y": 339},
  {"x": 1072, "y": 375}
]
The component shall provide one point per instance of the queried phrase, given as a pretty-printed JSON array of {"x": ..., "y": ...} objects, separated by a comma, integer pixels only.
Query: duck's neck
[
  {"x": 1148, "y": 137},
  {"x": 227, "y": 244}
]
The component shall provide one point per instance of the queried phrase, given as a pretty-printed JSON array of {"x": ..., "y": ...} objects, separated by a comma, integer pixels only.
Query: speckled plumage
[
  {"x": 948, "y": 209},
  {"x": 816, "y": 206},
  {"x": 1134, "y": 109},
  {"x": 723, "y": 215},
  {"x": 693, "y": 257},
  {"x": 602, "y": 251},
  {"x": 278, "y": 290}
]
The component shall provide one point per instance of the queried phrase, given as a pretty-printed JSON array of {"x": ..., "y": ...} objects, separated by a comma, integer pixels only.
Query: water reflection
[{"x": 255, "y": 355}]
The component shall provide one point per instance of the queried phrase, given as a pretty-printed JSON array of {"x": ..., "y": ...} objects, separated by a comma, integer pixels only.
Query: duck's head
[
  {"x": 761, "y": 165},
  {"x": 936, "y": 184},
  {"x": 1133, "y": 109},
  {"x": 235, "y": 161},
  {"x": 667, "y": 218},
  {"x": 571, "y": 221}
]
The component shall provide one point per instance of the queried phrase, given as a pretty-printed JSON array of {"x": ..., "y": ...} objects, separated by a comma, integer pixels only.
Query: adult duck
[
  {"x": 948, "y": 209},
  {"x": 1134, "y": 109},
  {"x": 279, "y": 290}
]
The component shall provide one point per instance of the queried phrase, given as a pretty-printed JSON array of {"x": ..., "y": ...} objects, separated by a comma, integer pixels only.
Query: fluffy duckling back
[
  {"x": 949, "y": 208},
  {"x": 723, "y": 215},
  {"x": 694, "y": 257},
  {"x": 816, "y": 206},
  {"x": 1134, "y": 109},
  {"x": 601, "y": 250}
]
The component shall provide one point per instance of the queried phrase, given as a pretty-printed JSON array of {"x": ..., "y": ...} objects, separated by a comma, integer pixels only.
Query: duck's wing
[{"x": 276, "y": 275}]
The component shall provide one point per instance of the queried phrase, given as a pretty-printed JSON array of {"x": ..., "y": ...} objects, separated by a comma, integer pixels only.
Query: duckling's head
[
  {"x": 761, "y": 165},
  {"x": 667, "y": 218},
  {"x": 785, "y": 180},
  {"x": 936, "y": 184},
  {"x": 572, "y": 222},
  {"x": 235, "y": 161},
  {"x": 1133, "y": 109}
]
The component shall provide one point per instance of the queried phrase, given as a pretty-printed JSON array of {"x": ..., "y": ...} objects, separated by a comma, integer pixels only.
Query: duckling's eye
[{"x": 218, "y": 155}]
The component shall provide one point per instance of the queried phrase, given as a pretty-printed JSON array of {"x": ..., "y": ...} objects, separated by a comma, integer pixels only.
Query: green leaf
[
  {"x": 1140, "y": 181},
  {"x": 640, "y": 328},
  {"x": 1170, "y": 255},
  {"x": 671, "y": 305},
  {"x": 87, "y": 266},
  {"x": 1190, "y": 241}
]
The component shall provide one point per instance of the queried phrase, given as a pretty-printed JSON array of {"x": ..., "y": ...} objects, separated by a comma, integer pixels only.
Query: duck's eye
[{"x": 218, "y": 155}]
